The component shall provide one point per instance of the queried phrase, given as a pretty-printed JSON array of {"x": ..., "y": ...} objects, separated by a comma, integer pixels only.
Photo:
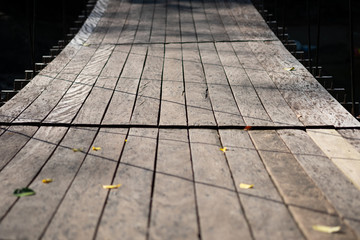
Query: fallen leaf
[
  {"x": 223, "y": 149},
  {"x": 96, "y": 148},
  {"x": 77, "y": 149},
  {"x": 247, "y": 128},
  {"x": 289, "y": 68},
  {"x": 125, "y": 140},
  {"x": 86, "y": 44},
  {"x": 24, "y": 192},
  {"x": 111, "y": 186},
  {"x": 47, "y": 180},
  {"x": 326, "y": 229},
  {"x": 246, "y": 186}
]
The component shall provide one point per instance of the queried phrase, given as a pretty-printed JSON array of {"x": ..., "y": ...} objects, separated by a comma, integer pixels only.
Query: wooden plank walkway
[{"x": 180, "y": 102}]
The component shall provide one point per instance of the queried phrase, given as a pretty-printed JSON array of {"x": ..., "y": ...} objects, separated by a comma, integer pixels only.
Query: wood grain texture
[
  {"x": 224, "y": 106},
  {"x": 127, "y": 209},
  {"x": 188, "y": 33},
  {"x": 48, "y": 196},
  {"x": 25, "y": 166},
  {"x": 198, "y": 104},
  {"x": 120, "y": 107},
  {"x": 96, "y": 103},
  {"x": 146, "y": 110},
  {"x": 12, "y": 140},
  {"x": 263, "y": 205},
  {"x": 173, "y": 34},
  {"x": 246, "y": 96},
  {"x": 337, "y": 188},
  {"x": 202, "y": 27},
  {"x": 305, "y": 200},
  {"x": 44, "y": 204},
  {"x": 274, "y": 58},
  {"x": 352, "y": 136},
  {"x": 159, "y": 23},
  {"x": 85, "y": 198},
  {"x": 220, "y": 213},
  {"x": 173, "y": 111},
  {"x": 173, "y": 214},
  {"x": 342, "y": 153}
]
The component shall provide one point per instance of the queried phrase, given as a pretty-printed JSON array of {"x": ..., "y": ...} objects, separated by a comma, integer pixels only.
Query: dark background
[
  {"x": 51, "y": 15},
  {"x": 15, "y": 46}
]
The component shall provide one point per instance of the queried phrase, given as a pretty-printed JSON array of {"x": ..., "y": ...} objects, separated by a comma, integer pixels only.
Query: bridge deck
[{"x": 165, "y": 89}]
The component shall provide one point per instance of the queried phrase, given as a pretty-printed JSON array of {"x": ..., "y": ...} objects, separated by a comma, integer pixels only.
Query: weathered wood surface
[{"x": 163, "y": 87}]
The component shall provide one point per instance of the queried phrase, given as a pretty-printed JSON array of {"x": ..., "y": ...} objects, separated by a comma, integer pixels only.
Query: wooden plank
[
  {"x": 159, "y": 22},
  {"x": 198, "y": 105},
  {"x": 252, "y": 25},
  {"x": 342, "y": 153},
  {"x": 274, "y": 103},
  {"x": 188, "y": 33},
  {"x": 225, "y": 108},
  {"x": 173, "y": 34},
  {"x": 146, "y": 110},
  {"x": 116, "y": 27},
  {"x": 26, "y": 164},
  {"x": 31, "y": 91},
  {"x": 145, "y": 24},
  {"x": 245, "y": 95},
  {"x": 274, "y": 58},
  {"x": 294, "y": 94},
  {"x": 121, "y": 104},
  {"x": 305, "y": 200},
  {"x": 264, "y": 208},
  {"x": 352, "y": 136},
  {"x": 228, "y": 20},
  {"x": 67, "y": 108},
  {"x": 44, "y": 204},
  {"x": 95, "y": 105},
  {"x": 48, "y": 99},
  {"x": 173, "y": 214},
  {"x": 173, "y": 111},
  {"x": 202, "y": 27},
  {"x": 337, "y": 188},
  {"x": 85, "y": 198},
  {"x": 220, "y": 214},
  {"x": 127, "y": 209},
  {"x": 217, "y": 28},
  {"x": 12, "y": 140}
]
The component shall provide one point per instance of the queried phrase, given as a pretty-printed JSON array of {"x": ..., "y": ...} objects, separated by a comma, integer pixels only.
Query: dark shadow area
[{"x": 53, "y": 19}]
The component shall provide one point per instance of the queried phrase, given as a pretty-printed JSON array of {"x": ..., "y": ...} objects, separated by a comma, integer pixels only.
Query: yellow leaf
[
  {"x": 125, "y": 140},
  {"x": 326, "y": 229},
  {"x": 289, "y": 68},
  {"x": 77, "y": 149},
  {"x": 96, "y": 148},
  {"x": 246, "y": 186},
  {"x": 223, "y": 149},
  {"x": 47, "y": 180},
  {"x": 111, "y": 186},
  {"x": 86, "y": 44}
]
